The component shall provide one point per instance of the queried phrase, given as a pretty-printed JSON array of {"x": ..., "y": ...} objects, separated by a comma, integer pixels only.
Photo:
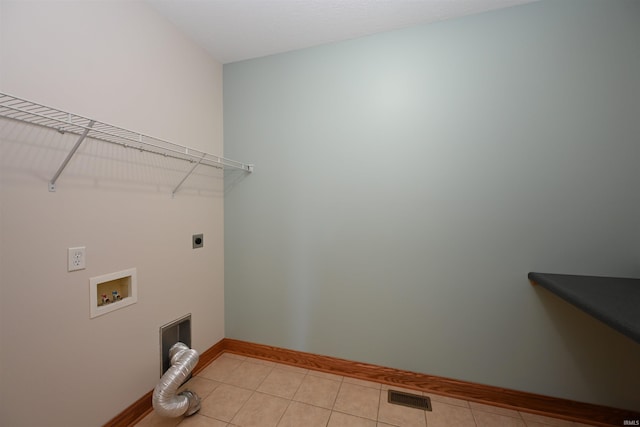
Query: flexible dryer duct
[{"x": 166, "y": 402}]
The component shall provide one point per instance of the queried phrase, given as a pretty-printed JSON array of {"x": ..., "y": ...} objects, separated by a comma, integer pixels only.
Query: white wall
[
  {"x": 407, "y": 182},
  {"x": 121, "y": 63}
]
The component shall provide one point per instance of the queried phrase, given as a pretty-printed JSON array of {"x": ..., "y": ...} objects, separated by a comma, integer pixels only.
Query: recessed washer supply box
[{"x": 112, "y": 291}]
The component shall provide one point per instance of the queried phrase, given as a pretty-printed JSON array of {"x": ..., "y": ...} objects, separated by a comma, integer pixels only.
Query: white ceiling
[{"x": 234, "y": 30}]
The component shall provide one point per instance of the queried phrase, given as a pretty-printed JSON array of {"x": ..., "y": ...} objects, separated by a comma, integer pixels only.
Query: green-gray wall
[{"x": 406, "y": 183}]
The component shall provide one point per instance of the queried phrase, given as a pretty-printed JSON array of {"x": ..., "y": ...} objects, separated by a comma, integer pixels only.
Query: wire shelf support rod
[{"x": 25, "y": 111}]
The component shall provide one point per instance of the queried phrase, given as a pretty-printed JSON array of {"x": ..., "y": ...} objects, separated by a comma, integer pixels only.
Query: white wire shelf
[{"x": 22, "y": 110}]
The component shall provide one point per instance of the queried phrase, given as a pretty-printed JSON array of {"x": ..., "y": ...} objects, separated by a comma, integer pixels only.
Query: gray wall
[{"x": 406, "y": 183}]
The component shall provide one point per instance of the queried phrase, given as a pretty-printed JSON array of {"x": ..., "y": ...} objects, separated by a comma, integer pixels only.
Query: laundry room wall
[
  {"x": 407, "y": 182},
  {"x": 123, "y": 64}
]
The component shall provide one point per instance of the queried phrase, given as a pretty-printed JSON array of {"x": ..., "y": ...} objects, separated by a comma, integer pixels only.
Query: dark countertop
[{"x": 612, "y": 300}]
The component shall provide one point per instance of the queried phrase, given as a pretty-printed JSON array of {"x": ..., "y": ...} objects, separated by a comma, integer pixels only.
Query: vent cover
[
  {"x": 177, "y": 331},
  {"x": 410, "y": 400}
]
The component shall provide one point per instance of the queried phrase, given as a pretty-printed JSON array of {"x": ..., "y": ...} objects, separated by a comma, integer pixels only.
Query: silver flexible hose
[{"x": 166, "y": 402}]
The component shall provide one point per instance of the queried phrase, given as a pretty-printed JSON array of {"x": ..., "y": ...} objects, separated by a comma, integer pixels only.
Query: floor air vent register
[{"x": 410, "y": 400}]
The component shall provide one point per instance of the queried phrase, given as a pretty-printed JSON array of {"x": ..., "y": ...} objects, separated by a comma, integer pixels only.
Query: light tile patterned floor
[{"x": 245, "y": 392}]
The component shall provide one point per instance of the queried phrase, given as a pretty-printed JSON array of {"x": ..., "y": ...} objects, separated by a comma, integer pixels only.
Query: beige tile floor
[{"x": 245, "y": 392}]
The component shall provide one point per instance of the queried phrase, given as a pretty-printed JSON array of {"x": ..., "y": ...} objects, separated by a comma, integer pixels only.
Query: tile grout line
[
  {"x": 333, "y": 405},
  {"x": 379, "y": 405},
  {"x": 335, "y": 399},
  {"x": 292, "y": 396},
  {"x": 250, "y": 396},
  {"x": 333, "y": 409},
  {"x": 474, "y": 411}
]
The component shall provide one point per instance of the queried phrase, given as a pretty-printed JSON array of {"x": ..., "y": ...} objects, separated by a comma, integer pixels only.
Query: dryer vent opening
[{"x": 174, "y": 332}]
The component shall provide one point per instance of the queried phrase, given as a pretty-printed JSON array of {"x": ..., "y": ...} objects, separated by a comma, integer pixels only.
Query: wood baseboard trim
[
  {"x": 522, "y": 401},
  {"x": 511, "y": 399},
  {"x": 142, "y": 407},
  {"x": 209, "y": 356},
  {"x": 133, "y": 413}
]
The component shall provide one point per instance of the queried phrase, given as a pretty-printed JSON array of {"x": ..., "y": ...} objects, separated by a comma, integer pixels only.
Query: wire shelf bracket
[
  {"x": 175, "y": 190},
  {"x": 52, "y": 183},
  {"x": 22, "y": 110}
]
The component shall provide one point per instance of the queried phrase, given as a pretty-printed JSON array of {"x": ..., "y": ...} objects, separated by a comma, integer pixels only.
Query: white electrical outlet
[{"x": 76, "y": 258}]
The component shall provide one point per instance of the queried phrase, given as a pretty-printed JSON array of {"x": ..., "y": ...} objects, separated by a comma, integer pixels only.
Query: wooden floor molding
[
  {"x": 133, "y": 413},
  {"x": 527, "y": 402},
  {"x": 209, "y": 356},
  {"x": 496, "y": 396},
  {"x": 142, "y": 407}
]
